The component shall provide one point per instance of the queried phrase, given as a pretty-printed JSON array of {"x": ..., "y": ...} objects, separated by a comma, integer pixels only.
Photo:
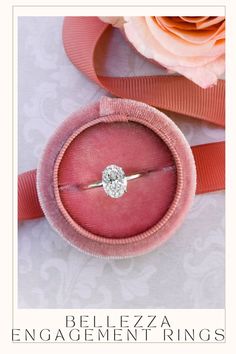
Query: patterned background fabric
[{"x": 186, "y": 272}]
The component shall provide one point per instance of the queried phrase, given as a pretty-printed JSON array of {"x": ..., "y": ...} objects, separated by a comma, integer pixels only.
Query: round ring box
[{"x": 137, "y": 138}]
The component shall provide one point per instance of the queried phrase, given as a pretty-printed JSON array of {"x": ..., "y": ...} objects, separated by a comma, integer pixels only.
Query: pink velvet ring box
[{"x": 137, "y": 138}]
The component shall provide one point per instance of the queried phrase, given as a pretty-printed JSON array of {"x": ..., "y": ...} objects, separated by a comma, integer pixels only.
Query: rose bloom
[{"x": 191, "y": 46}]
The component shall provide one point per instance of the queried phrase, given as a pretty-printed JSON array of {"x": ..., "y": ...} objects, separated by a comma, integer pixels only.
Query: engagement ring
[{"x": 114, "y": 181}]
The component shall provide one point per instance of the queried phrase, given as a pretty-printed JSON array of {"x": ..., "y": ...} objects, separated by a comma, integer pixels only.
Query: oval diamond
[{"x": 114, "y": 181}]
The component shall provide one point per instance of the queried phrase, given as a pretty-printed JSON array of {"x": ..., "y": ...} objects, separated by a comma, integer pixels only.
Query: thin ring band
[
  {"x": 114, "y": 181},
  {"x": 100, "y": 183}
]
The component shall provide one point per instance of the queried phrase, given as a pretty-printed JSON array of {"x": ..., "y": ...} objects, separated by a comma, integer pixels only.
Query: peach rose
[{"x": 191, "y": 46}]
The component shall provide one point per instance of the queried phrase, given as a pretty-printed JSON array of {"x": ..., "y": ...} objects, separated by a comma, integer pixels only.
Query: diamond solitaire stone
[{"x": 114, "y": 181}]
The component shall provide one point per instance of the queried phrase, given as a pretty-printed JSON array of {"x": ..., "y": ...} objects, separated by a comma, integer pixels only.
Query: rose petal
[
  {"x": 204, "y": 76},
  {"x": 140, "y": 36},
  {"x": 198, "y": 37},
  {"x": 211, "y": 21},
  {"x": 171, "y": 22},
  {"x": 200, "y": 76},
  {"x": 217, "y": 66},
  {"x": 195, "y": 19},
  {"x": 177, "y": 45}
]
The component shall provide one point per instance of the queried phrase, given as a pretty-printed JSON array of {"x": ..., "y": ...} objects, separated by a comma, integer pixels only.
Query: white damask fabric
[{"x": 186, "y": 272}]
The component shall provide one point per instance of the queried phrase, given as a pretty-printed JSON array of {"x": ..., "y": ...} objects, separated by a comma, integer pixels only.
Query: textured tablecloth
[{"x": 186, "y": 272}]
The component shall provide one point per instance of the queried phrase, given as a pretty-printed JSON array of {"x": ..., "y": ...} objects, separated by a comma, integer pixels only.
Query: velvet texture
[
  {"x": 136, "y": 137},
  {"x": 135, "y": 148}
]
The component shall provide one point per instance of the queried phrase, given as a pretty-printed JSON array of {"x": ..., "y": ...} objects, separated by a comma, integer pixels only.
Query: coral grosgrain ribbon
[
  {"x": 81, "y": 36},
  {"x": 209, "y": 161}
]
